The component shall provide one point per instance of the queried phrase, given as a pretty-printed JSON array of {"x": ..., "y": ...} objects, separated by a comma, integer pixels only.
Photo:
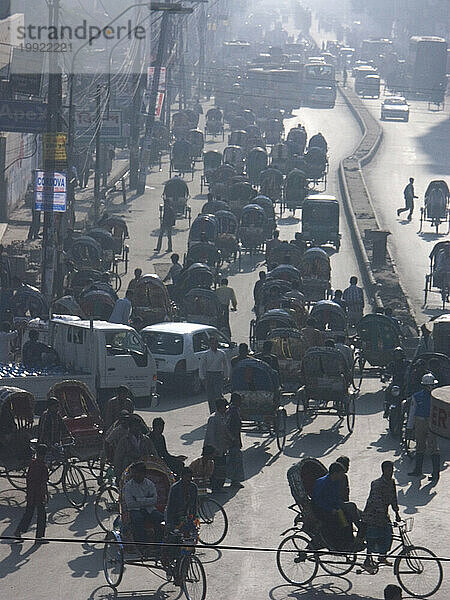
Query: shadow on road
[
  {"x": 164, "y": 592},
  {"x": 322, "y": 587},
  {"x": 16, "y": 558},
  {"x": 317, "y": 444}
]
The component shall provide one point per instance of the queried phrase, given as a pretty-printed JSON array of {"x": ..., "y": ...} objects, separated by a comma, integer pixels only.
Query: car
[
  {"x": 395, "y": 107},
  {"x": 324, "y": 94},
  {"x": 178, "y": 348}
]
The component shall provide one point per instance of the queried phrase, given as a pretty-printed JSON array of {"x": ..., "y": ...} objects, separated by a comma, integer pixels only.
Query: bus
[
  {"x": 427, "y": 65},
  {"x": 279, "y": 88},
  {"x": 319, "y": 84}
]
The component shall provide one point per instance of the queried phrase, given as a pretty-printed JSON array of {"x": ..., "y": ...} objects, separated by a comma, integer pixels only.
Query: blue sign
[
  {"x": 50, "y": 191},
  {"x": 23, "y": 116}
]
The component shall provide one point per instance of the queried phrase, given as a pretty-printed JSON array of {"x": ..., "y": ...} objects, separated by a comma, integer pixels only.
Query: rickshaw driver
[
  {"x": 398, "y": 368},
  {"x": 140, "y": 497},
  {"x": 52, "y": 428}
]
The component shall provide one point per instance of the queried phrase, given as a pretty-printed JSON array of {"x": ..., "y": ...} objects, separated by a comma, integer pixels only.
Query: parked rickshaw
[
  {"x": 295, "y": 190},
  {"x": 271, "y": 182},
  {"x": 203, "y": 252},
  {"x": 16, "y": 428},
  {"x": 330, "y": 318},
  {"x": 202, "y": 306},
  {"x": 279, "y": 156},
  {"x": 289, "y": 346},
  {"x": 267, "y": 205},
  {"x": 256, "y": 162},
  {"x": 316, "y": 274},
  {"x": 296, "y": 140},
  {"x": 376, "y": 338},
  {"x": 197, "y": 275},
  {"x": 235, "y": 156},
  {"x": 176, "y": 190},
  {"x": 211, "y": 161},
  {"x": 196, "y": 139},
  {"x": 151, "y": 300},
  {"x": 275, "y": 318},
  {"x": 204, "y": 228},
  {"x": 436, "y": 205},
  {"x": 438, "y": 279},
  {"x": 179, "y": 563},
  {"x": 193, "y": 117},
  {"x": 252, "y": 227},
  {"x": 86, "y": 252},
  {"x": 96, "y": 304},
  {"x": 316, "y": 165},
  {"x": 326, "y": 381},
  {"x": 320, "y": 220},
  {"x": 238, "y": 137},
  {"x": 181, "y": 158},
  {"x": 107, "y": 243},
  {"x": 78, "y": 279},
  {"x": 214, "y": 123},
  {"x": 227, "y": 240},
  {"x": 285, "y": 254},
  {"x": 258, "y": 386}
]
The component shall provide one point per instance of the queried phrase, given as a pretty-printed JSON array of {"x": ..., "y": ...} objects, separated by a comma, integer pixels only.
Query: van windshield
[{"x": 161, "y": 342}]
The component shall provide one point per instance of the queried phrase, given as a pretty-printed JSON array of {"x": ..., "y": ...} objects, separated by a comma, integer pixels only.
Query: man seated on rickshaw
[
  {"x": 346, "y": 368},
  {"x": 140, "y": 497},
  {"x": 52, "y": 429},
  {"x": 267, "y": 356},
  {"x": 135, "y": 446},
  {"x": 335, "y": 515}
]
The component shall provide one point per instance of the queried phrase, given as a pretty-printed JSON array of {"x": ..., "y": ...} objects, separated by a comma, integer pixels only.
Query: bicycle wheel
[
  {"x": 106, "y": 507},
  {"x": 280, "y": 428},
  {"x": 297, "y": 566},
  {"x": 419, "y": 578},
  {"x": 350, "y": 413},
  {"x": 74, "y": 485},
  {"x": 193, "y": 578},
  {"x": 337, "y": 564},
  {"x": 213, "y": 521},
  {"x": 55, "y": 474},
  {"x": 113, "y": 562},
  {"x": 358, "y": 371},
  {"x": 17, "y": 477},
  {"x": 300, "y": 413}
]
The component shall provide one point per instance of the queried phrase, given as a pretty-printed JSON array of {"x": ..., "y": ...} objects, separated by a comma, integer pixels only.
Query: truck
[
  {"x": 100, "y": 354},
  {"x": 427, "y": 65}
]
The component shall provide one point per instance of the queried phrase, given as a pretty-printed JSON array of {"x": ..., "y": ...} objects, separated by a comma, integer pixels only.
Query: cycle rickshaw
[
  {"x": 316, "y": 274},
  {"x": 118, "y": 228},
  {"x": 107, "y": 243},
  {"x": 203, "y": 252},
  {"x": 196, "y": 139},
  {"x": 320, "y": 221},
  {"x": 214, "y": 123},
  {"x": 151, "y": 300},
  {"x": 296, "y": 140},
  {"x": 438, "y": 279},
  {"x": 436, "y": 205},
  {"x": 234, "y": 155},
  {"x": 211, "y": 161},
  {"x": 316, "y": 166},
  {"x": 274, "y": 318},
  {"x": 279, "y": 156},
  {"x": 213, "y": 206},
  {"x": 273, "y": 131},
  {"x": 271, "y": 294},
  {"x": 252, "y": 227},
  {"x": 295, "y": 190},
  {"x": 326, "y": 381},
  {"x": 330, "y": 318},
  {"x": 96, "y": 304},
  {"x": 177, "y": 563},
  {"x": 271, "y": 181},
  {"x": 285, "y": 254},
  {"x": 289, "y": 346},
  {"x": 177, "y": 192},
  {"x": 267, "y": 205},
  {"x": 240, "y": 193},
  {"x": 376, "y": 338},
  {"x": 259, "y": 388},
  {"x": 305, "y": 547},
  {"x": 181, "y": 158},
  {"x": 238, "y": 137},
  {"x": 86, "y": 252},
  {"x": 197, "y": 275},
  {"x": 227, "y": 240},
  {"x": 256, "y": 163},
  {"x": 202, "y": 306}
]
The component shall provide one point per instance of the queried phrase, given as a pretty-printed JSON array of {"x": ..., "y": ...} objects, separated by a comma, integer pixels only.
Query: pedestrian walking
[
  {"x": 235, "y": 464},
  {"x": 275, "y": 242},
  {"x": 354, "y": 297},
  {"x": 409, "y": 195},
  {"x": 122, "y": 309},
  {"x": 258, "y": 285},
  {"x": 226, "y": 296},
  {"x": 214, "y": 368},
  {"x": 37, "y": 478},
  {"x": 219, "y": 437},
  {"x": 383, "y": 494},
  {"x": 419, "y": 419},
  {"x": 168, "y": 221}
]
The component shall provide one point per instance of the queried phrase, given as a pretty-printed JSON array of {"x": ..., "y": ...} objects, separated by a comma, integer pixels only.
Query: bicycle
[
  {"x": 298, "y": 560},
  {"x": 106, "y": 503},
  {"x": 212, "y": 516}
]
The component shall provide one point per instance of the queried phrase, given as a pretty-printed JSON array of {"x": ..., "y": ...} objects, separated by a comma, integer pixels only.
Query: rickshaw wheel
[
  {"x": 338, "y": 564},
  {"x": 213, "y": 521},
  {"x": 113, "y": 561},
  {"x": 419, "y": 578},
  {"x": 193, "y": 578},
  {"x": 115, "y": 280},
  {"x": 358, "y": 371},
  {"x": 74, "y": 486},
  {"x": 17, "y": 477},
  {"x": 300, "y": 412},
  {"x": 280, "y": 428},
  {"x": 106, "y": 507},
  {"x": 350, "y": 413},
  {"x": 298, "y": 566}
]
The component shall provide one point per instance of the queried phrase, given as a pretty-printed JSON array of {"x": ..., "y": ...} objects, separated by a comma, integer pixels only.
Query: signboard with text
[
  {"x": 50, "y": 190},
  {"x": 23, "y": 116},
  {"x": 85, "y": 124},
  {"x": 162, "y": 78},
  {"x": 54, "y": 147}
]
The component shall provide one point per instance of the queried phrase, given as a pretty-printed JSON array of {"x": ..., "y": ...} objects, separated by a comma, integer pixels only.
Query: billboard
[{"x": 50, "y": 190}]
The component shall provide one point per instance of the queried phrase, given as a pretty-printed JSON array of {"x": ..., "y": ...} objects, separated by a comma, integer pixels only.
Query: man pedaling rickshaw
[{"x": 398, "y": 368}]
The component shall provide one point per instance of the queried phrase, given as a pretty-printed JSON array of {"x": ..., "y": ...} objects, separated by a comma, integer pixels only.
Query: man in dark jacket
[
  {"x": 182, "y": 500},
  {"x": 175, "y": 463},
  {"x": 408, "y": 194},
  {"x": 168, "y": 221}
]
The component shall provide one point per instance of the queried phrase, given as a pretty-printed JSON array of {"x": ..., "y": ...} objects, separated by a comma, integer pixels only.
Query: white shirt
[
  {"x": 214, "y": 362},
  {"x": 140, "y": 495},
  {"x": 6, "y": 337},
  {"x": 121, "y": 312}
]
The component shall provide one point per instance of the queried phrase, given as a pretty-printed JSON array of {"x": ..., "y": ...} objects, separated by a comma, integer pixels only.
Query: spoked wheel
[
  {"x": 193, "y": 578},
  {"x": 337, "y": 564},
  {"x": 55, "y": 474},
  {"x": 74, "y": 486},
  {"x": 350, "y": 413},
  {"x": 213, "y": 521},
  {"x": 113, "y": 562},
  {"x": 300, "y": 412},
  {"x": 358, "y": 370},
  {"x": 280, "y": 428},
  {"x": 419, "y": 578},
  {"x": 115, "y": 280},
  {"x": 298, "y": 565},
  {"x": 17, "y": 477},
  {"x": 106, "y": 507}
]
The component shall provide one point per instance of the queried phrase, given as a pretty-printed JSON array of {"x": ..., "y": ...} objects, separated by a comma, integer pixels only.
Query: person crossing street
[{"x": 409, "y": 195}]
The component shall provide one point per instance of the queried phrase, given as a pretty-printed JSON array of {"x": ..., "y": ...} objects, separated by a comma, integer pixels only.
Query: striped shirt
[{"x": 354, "y": 297}]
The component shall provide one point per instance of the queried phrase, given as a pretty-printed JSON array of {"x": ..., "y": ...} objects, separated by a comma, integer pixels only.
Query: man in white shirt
[
  {"x": 214, "y": 368},
  {"x": 7, "y": 337},
  {"x": 140, "y": 497},
  {"x": 122, "y": 309}
]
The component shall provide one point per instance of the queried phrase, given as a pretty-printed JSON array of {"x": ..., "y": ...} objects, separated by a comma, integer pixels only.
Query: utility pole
[
  {"x": 98, "y": 152},
  {"x": 53, "y": 126}
]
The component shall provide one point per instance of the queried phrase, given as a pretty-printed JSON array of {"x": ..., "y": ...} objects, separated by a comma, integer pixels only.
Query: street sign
[
  {"x": 23, "y": 116},
  {"x": 54, "y": 147},
  {"x": 159, "y": 104},
  {"x": 26, "y": 71},
  {"x": 162, "y": 78},
  {"x": 85, "y": 124},
  {"x": 50, "y": 190}
]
